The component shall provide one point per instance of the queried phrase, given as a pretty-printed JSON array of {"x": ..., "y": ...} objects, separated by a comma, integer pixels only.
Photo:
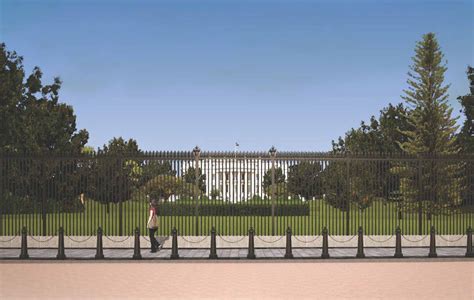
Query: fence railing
[{"x": 233, "y": 191}]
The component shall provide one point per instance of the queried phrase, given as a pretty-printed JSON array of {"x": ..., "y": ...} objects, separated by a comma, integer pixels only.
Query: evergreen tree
[
  {"x": 432, "y": 127},
  {"x": 466, "y": 137},
  {"x": 432, "y": 132}
]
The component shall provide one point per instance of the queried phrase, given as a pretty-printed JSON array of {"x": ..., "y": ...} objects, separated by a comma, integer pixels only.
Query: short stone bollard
[
  {"x": 61, "y": 252},
  {"x": 432, "y": 243},
  {"x": 136, "y": 247},
  {"x": 360, "y": 243},
  {"x": 213, "y": 252},
  {"x": 24, "y": 245},
  {"x": 325, "y": 251},
  {"x": 100, "y": 250},
  {"x": 288, "y": 252},
  {"x": 398, "y": 243},
  {"x": 251, "y": 254},
  {"x": 174, "y": 245},
  {"x": 469, "y": 252}
]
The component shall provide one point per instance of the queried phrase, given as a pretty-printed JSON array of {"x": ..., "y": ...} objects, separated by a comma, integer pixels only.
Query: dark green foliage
[
  {"x": 234, "y": 209},
  {"x": 466, "y": 135},
  {"x": 267, "y": 178},
  {"x": 110, "y": 178},
  {"x": 381, "y": 135},
  {"x": 190, "y": 177},
  {"x": 33, "y": 119},
  {"x": 304, "y": 179}
]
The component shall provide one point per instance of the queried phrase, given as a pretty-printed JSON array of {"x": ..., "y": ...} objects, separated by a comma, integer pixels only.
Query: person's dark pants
[{"x": 153, "y": 242}]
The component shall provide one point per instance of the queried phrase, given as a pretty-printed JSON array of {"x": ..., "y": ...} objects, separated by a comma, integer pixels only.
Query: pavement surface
[{"x": 440, "y": 278}]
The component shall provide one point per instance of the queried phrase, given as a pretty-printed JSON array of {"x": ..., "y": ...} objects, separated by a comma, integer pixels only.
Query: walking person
[{"x": 152, "y": 225}]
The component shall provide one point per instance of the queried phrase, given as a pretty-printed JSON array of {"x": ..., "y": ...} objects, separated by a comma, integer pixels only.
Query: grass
[{"x": 380, "y": 219}]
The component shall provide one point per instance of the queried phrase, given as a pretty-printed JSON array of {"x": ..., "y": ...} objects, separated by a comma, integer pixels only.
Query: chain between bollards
[
  {"x": 288, "y": 252},
  {"x": 432, "y": 243},
  {"x": 360, "y": 243},
  {"x": 174, "y": 245},
  {"x": 61, "y": 252},
  {"x": 398, "y": 243},
  {"x": 251, "y": 253},
  {"x": 213, "y": 252},
  {"x": 325, "y": 251},
  {"x": 24, "y": 245},
  {"x": 100, "y": 250},
  {"x": 136, "y": 247}
]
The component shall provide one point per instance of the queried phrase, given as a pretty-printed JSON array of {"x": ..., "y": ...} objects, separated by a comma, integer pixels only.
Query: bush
[{"x": 220, "y": 209}]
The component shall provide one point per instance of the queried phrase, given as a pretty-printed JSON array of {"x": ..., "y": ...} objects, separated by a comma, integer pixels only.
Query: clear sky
[{"x": 175, "y": 74}]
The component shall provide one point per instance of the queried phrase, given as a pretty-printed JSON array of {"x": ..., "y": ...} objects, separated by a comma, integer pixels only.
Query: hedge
[{"x": 170, "y": 209}]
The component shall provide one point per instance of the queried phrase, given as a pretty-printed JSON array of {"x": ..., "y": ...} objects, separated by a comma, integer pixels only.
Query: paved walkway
[{"x": 274, "y": 253}]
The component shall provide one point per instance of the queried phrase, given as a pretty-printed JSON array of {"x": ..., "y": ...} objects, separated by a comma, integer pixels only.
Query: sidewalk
[{"x": 240, "y": 253}]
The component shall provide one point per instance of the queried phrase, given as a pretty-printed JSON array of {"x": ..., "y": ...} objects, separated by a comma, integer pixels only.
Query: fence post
[
  {"x": 174, "y": 245},
  {"x": 213, "y": 254},
  {"x": 196, "y": 152},
  {"x": 420, "y": 196},
  {"x": 100, "y": 251},
  {"x": 288, "y": 253},
  {"x": 469, "y": 252},
  {"x": 348, "y": 212},
  {"x": 360, "y": 243},
  {"x": 136, "y": 247},
  {"x": 24, "y": 245},
  {"x": 325, "y": 252},
  {"x": 398, "y": 243},
  {"x": 272, "y": 152},
  {"x": 432, "y": 243},
  {"x": 43, "y": 197},
  {"x": 61, "y": 253},
  {"x": 120, "y": 193},
  {"x": 251, "y": 253}
]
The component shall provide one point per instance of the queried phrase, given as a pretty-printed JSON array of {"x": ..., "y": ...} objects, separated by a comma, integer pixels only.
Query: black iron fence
[{"x": 234, "y": 191}]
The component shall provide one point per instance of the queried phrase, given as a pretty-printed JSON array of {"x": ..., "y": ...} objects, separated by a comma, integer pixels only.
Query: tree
[
  {"x": 190, "y": 177},
  {"x": 267, "y": 178},
  {"x": 466, "y": 136},
  {"x": 33, "y": 121},
  {"x": 111, "y": 178},
  {"x": 304, "y": 179},
  {"x": 380, "y": 135},
  {"x": 432, "y": 132}
]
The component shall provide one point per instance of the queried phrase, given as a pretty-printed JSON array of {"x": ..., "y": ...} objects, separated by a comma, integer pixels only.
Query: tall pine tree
[{"x": 432, "y": 184}]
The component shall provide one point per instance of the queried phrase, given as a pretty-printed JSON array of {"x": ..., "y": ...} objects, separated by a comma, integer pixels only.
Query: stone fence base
[{"x": 234, "y": 241}]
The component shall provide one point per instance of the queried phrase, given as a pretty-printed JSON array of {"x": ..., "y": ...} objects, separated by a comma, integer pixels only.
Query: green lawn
[{"x": 380, "y": 218}]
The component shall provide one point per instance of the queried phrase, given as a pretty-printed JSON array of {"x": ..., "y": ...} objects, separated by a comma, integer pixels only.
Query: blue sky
[{"x": 175, "y": 74}]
